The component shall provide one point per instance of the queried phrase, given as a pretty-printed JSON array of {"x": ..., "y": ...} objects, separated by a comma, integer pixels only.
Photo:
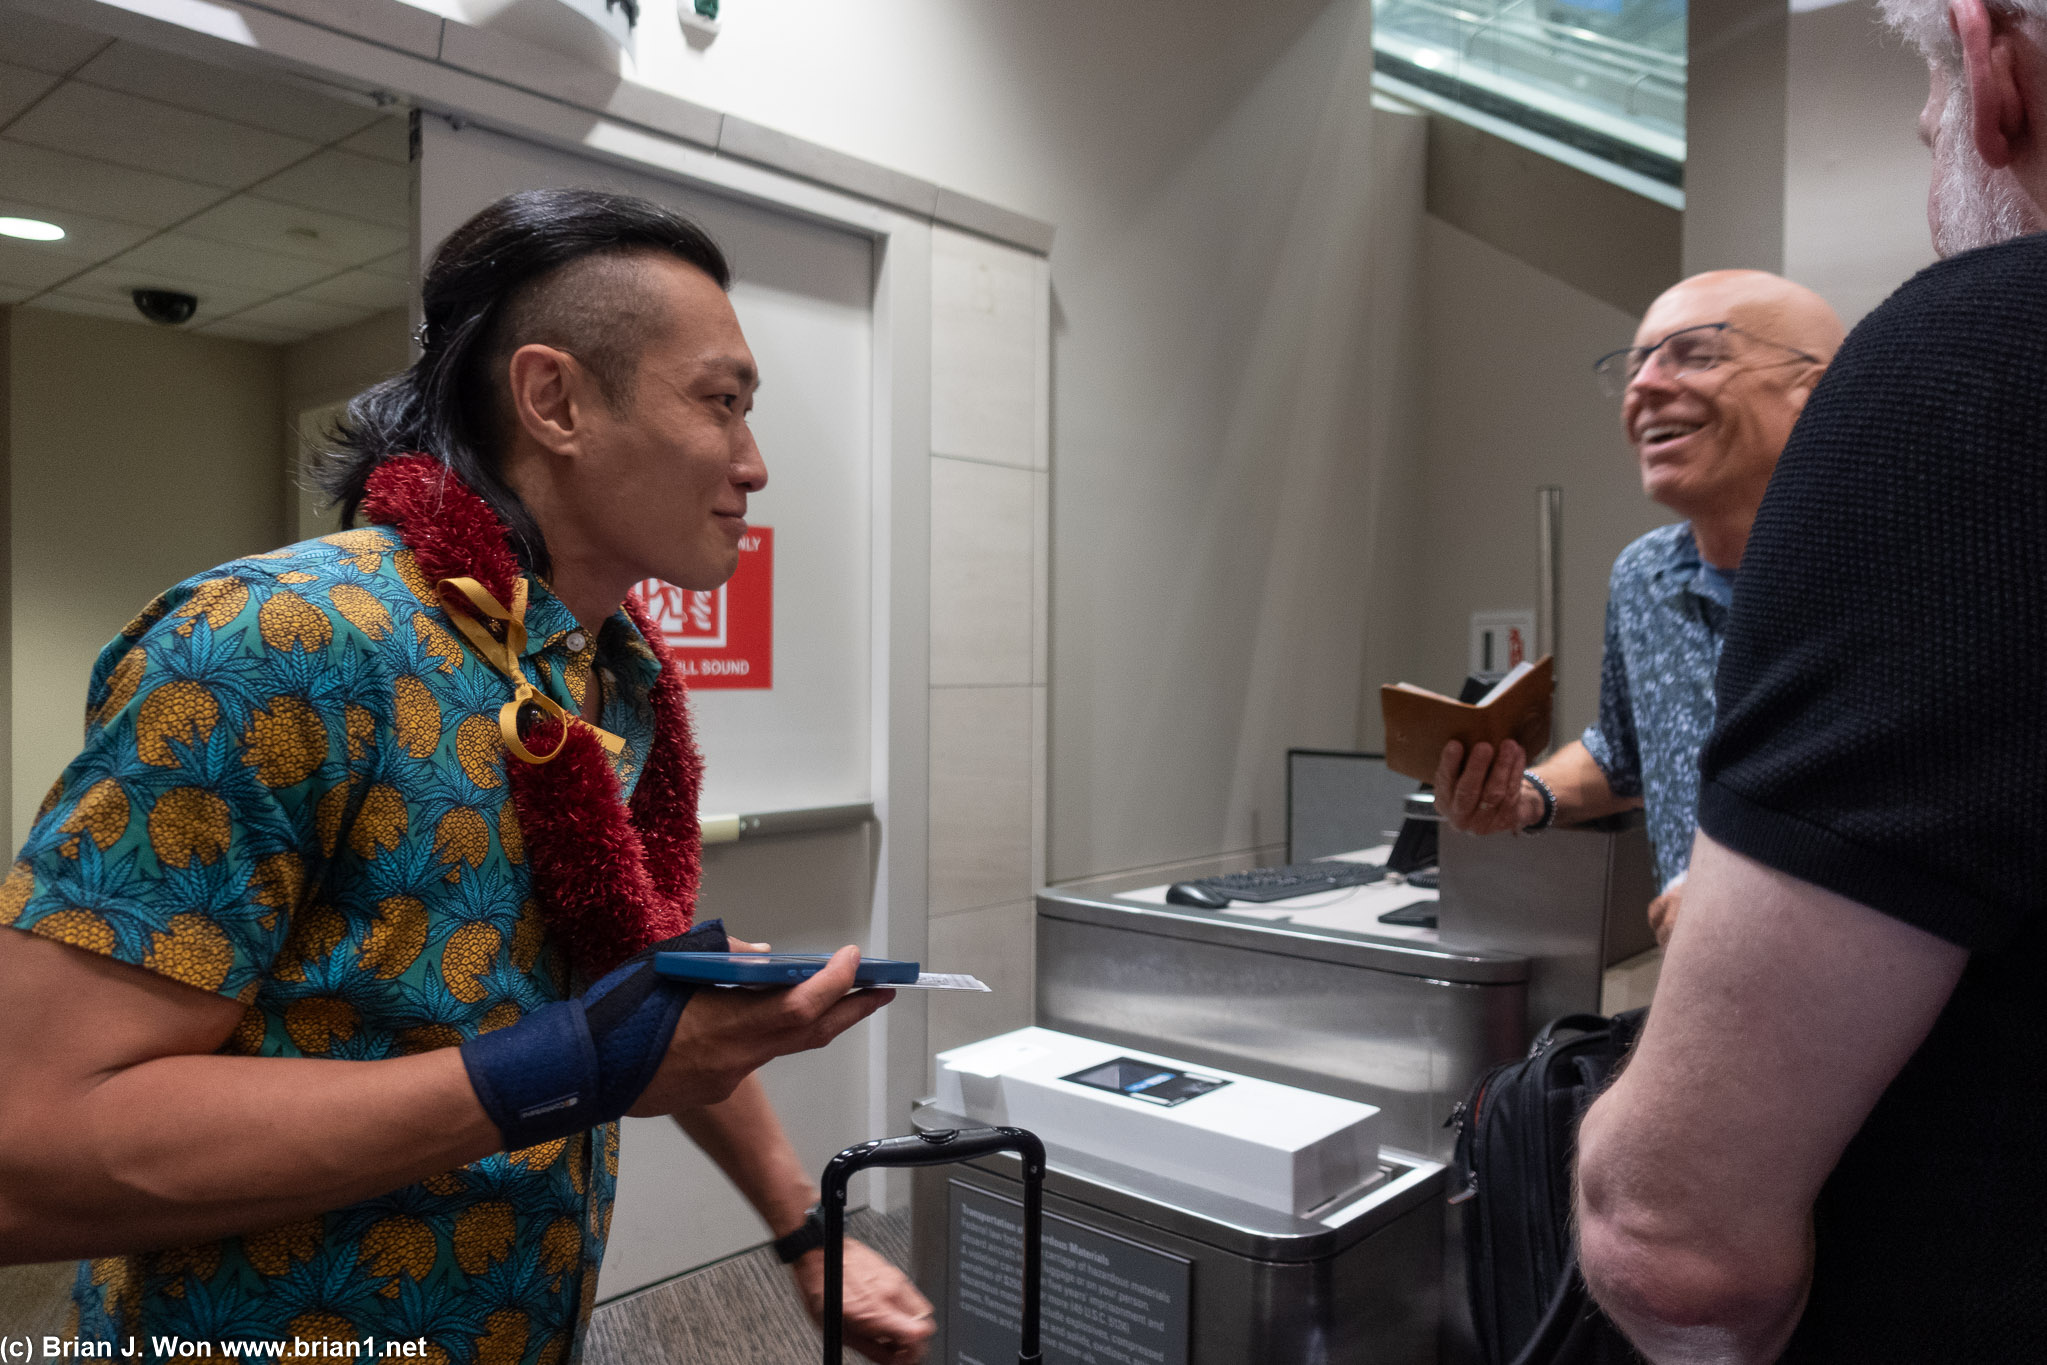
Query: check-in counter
[
  {"x": 1573, "y": 900},
  {"x": 1383, "y": 1015}
]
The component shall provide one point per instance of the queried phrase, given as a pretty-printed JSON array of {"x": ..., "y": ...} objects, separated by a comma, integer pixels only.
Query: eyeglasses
[{"x": 1689, "y": 350}]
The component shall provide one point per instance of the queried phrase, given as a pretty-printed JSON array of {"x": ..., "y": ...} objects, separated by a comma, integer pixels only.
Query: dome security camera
[{"x": 165, "y": 306}]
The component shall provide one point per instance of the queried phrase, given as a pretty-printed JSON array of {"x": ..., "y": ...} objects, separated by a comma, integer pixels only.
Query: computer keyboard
[{"x": 1261, "y": 884}]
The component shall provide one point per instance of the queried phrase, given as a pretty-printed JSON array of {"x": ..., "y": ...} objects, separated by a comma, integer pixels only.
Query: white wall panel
[
  {"x": 986, "y": 350},
  {"x": 982, "y": 536}
]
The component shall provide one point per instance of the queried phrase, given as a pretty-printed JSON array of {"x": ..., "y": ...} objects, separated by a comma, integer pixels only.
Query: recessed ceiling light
[
  {"x": 1428, "y": 59},
  {"x": 31, "y": 230}
]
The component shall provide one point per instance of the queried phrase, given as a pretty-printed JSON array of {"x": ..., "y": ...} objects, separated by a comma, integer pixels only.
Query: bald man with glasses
[{"x": 1721, "y": 367}]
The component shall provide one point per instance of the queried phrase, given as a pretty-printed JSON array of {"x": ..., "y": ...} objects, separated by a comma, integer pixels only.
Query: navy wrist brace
[{"x": 573, "y": 1064}]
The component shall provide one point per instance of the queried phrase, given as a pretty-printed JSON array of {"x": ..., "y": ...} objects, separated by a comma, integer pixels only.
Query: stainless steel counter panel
[
  {"x": 1398, "y": 1025},
  {"x": 1573, "y": 900},
  {"x": 1267, "y": 1286}
]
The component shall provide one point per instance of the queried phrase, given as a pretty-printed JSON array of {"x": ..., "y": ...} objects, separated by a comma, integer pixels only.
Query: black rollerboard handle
[{"x": 940, "y": 1147}]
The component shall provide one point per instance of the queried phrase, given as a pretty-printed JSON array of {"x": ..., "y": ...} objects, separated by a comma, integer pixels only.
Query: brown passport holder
[{"x": 1420, "y": 722}]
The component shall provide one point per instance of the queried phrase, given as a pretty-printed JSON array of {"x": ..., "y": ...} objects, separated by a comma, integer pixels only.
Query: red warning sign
[{"x": 725, "y": 637}]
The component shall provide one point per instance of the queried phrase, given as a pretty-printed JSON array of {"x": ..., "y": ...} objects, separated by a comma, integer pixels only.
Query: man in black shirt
[{"x": 1828, "y": 1145}]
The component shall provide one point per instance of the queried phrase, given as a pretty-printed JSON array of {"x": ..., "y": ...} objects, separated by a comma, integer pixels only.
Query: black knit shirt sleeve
[{"x": 1882, "y": 695}]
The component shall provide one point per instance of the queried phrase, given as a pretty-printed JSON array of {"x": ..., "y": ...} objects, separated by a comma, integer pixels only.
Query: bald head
[
  {"x": 1708, "y": 419},
  {"x": 1762, "y": 304}
]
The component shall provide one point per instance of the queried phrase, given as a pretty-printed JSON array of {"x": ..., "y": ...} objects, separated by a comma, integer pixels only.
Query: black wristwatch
[{"x": 805, "y": 1239}]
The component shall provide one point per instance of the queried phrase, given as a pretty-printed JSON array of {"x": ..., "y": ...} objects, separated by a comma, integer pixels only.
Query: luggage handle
[{"x": 938, "y": 1147}]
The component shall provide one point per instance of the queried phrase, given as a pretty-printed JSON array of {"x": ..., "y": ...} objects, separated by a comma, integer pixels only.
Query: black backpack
[{"x": 1516, "y": 1134}]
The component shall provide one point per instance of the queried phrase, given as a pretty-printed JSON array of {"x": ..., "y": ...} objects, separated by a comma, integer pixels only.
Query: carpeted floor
[
  {"x": 35, "y": 1300},
  {"x": 742, "y": 1311}
]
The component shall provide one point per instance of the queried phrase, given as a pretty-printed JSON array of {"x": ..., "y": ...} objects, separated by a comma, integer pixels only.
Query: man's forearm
[
  {"x": 743, "y": 1135},
  {"x": 184, "y": 1148},
  {"x": 1580, "y": 785}
]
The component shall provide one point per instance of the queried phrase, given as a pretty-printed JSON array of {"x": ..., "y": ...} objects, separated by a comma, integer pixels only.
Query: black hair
[{"x": 486, "y": 294}]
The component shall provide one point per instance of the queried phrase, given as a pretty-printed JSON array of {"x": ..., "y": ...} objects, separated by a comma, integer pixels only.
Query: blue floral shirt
[
  {"x": 292, "y": 793},
  {"x": 1666, "y": 616}
]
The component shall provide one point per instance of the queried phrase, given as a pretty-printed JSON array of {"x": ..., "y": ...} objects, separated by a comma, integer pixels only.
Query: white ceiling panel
[
  {"x": 62, "y": 181},
  {"x": 387, "y": 139},
  {"x": 86, "y": 238},
  {"x": 237, "y": 330},
  {"x": 14, "y": 293},
  {"x": 45, "y": 45},
  {"x": 92, "y": 308},
  {"x": 347, "y": 184},
  {"x": 239, "y": 95},
  {"x": 360, "y": 289},
  {"x": 302, "y": 314},
  {"x": 398, "y": 265},
  {"x": 108, "y": 125},
  {"x": 32, "y": 263},
  {"x": 294, "y": 231},
  {"x": 219, "y": 264},
  {"x": 20, "y": 87},
  {"x": 114, "y": 286}
]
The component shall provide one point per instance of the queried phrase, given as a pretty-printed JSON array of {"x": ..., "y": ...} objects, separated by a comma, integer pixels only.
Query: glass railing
[{"x": 1606, "y": 77}]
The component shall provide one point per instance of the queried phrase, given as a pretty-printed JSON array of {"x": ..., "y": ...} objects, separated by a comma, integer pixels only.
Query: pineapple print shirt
[{"x": 292, "y": 793}]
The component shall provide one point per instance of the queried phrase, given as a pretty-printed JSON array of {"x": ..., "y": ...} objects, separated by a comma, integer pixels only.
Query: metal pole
[{"x": 1549, "y": 580}]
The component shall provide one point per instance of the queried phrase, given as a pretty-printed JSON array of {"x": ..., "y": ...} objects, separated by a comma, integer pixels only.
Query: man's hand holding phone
[{"x": 724, "y": 1036}]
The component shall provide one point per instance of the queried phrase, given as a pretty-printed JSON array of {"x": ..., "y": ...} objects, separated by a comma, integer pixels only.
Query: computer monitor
[{"x": 1338, "y": 801}]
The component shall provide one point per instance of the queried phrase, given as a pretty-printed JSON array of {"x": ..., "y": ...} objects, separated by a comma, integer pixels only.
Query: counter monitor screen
[
  {"x": 1340, "y": 802},
  {"x": 1147, "y": 1081}
]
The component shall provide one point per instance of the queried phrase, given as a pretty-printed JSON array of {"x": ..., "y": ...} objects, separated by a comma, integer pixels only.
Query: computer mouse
[{"x": 1195, "y": 894}]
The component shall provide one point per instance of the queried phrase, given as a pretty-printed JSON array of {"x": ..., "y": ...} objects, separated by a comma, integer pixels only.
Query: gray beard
[{"x": 1973, "y": 205}]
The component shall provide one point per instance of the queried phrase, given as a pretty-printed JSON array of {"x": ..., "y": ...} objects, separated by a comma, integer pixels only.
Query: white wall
[
  {"x": 1855, "y": 174},
  {"x": 1509, "y": 405},
  {"x": 320, "y": 375},
  {"x": 180, "y": 471},
  {"x": 1803, "y": 147},
  {"x": 1207, "y": 167}
]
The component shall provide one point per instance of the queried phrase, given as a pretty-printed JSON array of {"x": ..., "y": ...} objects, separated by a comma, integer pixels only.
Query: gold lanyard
[{"x": 466, "y": 601}]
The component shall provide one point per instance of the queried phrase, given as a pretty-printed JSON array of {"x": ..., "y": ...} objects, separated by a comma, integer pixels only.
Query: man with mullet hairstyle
[
  {"x": 1827, "y": 1145},
  {"x": 328, "y": 973}
]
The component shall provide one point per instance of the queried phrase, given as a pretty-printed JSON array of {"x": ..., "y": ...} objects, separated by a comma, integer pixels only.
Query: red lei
[{"x": 611, "y": 878}]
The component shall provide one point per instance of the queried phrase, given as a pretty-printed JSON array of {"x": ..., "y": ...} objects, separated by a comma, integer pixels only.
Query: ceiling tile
[
  {"x": 301, "y": 313},
  {"x": 387, "y": 139},
  {"x": 220, "y": 264},
  {"x": 294, "y": 231},
  {"x": 107, "y": 125},
  {"x": 114, "y": 286},
  {"x": 344, "y": 183},
  {"x": 360, "y": 289},
  {"x": 62, "y": 181},
  {"x": 14, "y": 293},
  {"x": 234, "y": 93},
  {"x": 21, "y": 87},
  {"x": 33, "y": 264},
  {"x": 398, "y": 265},
  {"x": 44, "y": 44},
  {"x": 94, "y": 308},
  {"x": 237, "y": 330},
  {"x": 86, "y": 239}
]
